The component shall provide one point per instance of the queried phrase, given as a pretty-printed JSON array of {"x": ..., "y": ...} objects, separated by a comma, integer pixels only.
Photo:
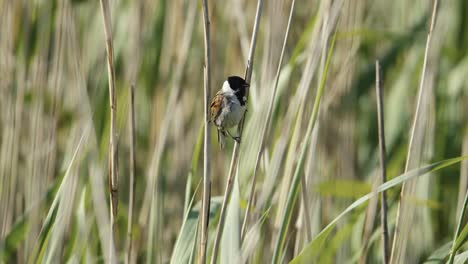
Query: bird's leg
[{"x": 237, "y": 139}]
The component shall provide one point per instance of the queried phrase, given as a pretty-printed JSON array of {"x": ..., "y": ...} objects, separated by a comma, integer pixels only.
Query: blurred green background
[{"x": 55, "y": 123}]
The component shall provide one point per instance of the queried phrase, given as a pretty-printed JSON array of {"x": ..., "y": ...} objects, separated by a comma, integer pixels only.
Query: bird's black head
[{"x": 239, "y": 85}]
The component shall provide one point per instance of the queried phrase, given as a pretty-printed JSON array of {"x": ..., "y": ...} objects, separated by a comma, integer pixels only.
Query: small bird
[{"x": 228, "y": 107}]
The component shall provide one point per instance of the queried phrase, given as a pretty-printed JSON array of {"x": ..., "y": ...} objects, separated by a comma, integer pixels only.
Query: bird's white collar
[{"x": 227, "y": 88}]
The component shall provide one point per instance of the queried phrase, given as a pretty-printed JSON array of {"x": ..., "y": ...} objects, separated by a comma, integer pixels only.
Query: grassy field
[{"x": 146, "y": 182}]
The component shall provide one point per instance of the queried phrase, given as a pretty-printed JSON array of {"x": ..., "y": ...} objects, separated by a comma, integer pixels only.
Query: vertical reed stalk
[
  {"x": 131, "y": 199},
  {"x": 206, "y": 159},
  {"x": 266, "y": 127},
  {"x": 113, "y": 174},
  {"x": 393, "y": 257},
  {"x": 383, "y": 163},
  {"x": 236, "y": 151},
  {"x": 295, "y": 185}
]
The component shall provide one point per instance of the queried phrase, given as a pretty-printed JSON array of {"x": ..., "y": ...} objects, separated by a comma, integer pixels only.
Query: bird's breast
[{"x": 231, "y": 113}]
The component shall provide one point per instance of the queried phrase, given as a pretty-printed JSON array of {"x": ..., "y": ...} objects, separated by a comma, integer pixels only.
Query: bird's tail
[{"x": 221, "y": 138}]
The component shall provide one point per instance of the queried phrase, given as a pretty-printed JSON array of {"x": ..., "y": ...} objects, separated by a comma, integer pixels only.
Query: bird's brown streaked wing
[{"x": 216, "y": 106}]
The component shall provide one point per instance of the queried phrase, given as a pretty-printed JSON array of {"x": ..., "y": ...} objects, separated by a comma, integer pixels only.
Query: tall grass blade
[
  {"x": 461, "y": 239},
  {"x": 460, "y": 235},
  {"x": 461, "y": 258},
  {"x": 230, "y": 249},
  {"x": 48, "y": 226},
  {"x": 399, "y": 238},
  {"x": 266, "y": 126},
  {"x": 383, "y": 161},
  {"x": 185, "y": 243},
  {"x": 439, "y": 255},
  {"x": 235, "y": 153},
  {"x": 132, "y": 183},
  {"x": 302, "y": 257},
  {"x": 294, "y": 190}
]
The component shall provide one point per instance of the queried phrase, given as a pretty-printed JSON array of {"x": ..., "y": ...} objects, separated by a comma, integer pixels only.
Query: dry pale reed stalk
[
  {"x": 267, "y": 125},
  {"x": 235, "y": 155},
  {"x": 206, "y": 160},
  {"x": 113, "y": 174},
  {"x": 394, "y": 254}
]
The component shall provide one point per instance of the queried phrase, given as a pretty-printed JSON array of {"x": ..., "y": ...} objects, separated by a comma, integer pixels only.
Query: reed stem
[{"x": 235, "y": 155}]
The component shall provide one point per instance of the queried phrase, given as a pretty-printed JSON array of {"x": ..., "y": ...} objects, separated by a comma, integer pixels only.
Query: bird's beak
[{"x": 247, "y": 85}]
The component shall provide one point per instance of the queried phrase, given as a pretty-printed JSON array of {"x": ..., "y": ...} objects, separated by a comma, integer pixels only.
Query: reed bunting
[{"x": 228, "y": 107}]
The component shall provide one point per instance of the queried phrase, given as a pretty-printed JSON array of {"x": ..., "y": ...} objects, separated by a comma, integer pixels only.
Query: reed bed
[{"x": 105, "y": 106}]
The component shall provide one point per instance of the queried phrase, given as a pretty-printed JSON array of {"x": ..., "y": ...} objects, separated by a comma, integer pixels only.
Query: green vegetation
[{"x": 310, "y": 135}]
